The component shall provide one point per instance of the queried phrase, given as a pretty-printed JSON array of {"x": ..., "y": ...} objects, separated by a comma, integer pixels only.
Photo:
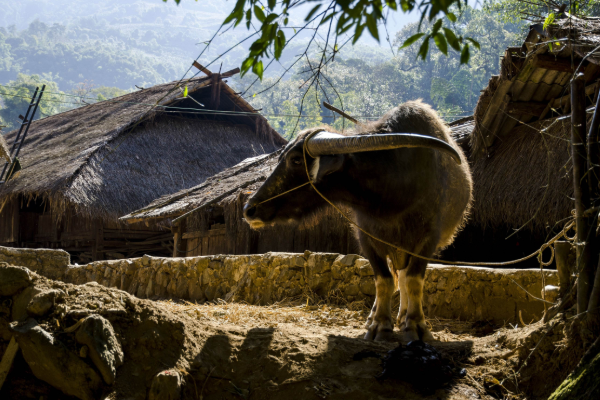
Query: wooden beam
[
  {"x": 230, "y": 73},
  {"x": 201, "y": 234},
  {"x": 201, "y": 68},
  {"x": 179, "y": 242},
  {"x": 215, "y": 91},
  {"x": 98, "y": 247},
  {"x": 7, "y": 359},
  {"x": 343, "y": 114},
  {"x": 555, "y": 64}
]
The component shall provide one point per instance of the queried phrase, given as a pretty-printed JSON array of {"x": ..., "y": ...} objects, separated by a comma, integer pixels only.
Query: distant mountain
[{"x": 126, "y": 43}]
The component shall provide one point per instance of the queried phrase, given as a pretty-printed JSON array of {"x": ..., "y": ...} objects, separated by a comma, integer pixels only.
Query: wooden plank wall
[{"x": 9, "y": 222}]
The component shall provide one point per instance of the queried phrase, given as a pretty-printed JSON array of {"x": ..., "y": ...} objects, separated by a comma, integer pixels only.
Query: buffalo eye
[{"x": 297, "y": 161}]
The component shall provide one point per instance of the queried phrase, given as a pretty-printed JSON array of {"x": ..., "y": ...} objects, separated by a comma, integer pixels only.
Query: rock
[
  {"x": 5, "y": 333},
  {"x": 42, "y": 302},
  {"x": 21, "y": 301},
  {"x": 52, "y": 362},
  {"x": 551, "y": 293},
  {"x": 13, "y": 279},
  {"x": 166, "y": 385},
  {"x": 104, "y": 349},
  {"x": 365, "y": 269},
  {"x": 367, "y": 286}
]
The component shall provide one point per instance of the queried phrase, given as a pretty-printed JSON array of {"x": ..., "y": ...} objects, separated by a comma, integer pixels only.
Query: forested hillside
[{"x": 91, "y": 51}]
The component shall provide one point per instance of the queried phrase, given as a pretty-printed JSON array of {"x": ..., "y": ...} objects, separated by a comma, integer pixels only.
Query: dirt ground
[{"x": 299, "y": 349}]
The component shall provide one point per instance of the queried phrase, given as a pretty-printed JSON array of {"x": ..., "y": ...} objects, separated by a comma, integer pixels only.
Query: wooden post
[
  {"x": 98, "y": 247},
  {"x": 215, "y": 91},
  {"x": 582, "y": 193},
  {"x": 593, "y": 155},
  {"x": 562, "y": 248},
  {"x": 179, "y": 243}
]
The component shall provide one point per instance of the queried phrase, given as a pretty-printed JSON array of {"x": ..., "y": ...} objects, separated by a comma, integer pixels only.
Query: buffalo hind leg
[
  {"x": 380, "y": 326},
  {"x": 415, "y": 326},
  {"x": 399, "y": 260}
]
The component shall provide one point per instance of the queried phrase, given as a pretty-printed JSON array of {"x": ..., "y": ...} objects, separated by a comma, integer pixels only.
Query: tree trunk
[
  {"x": 584, "y": 382},
  {"x": 585, "y": 265}
]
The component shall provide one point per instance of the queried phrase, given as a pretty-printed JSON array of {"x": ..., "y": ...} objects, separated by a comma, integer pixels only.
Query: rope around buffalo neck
[{"x": 538, "y": 253}]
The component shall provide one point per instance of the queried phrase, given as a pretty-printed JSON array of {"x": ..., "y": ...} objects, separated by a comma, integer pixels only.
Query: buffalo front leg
[
  {"x": 379, "y": 323},
  {"x": 415, "y": 326},
  {"x": 400, "y": 321}
]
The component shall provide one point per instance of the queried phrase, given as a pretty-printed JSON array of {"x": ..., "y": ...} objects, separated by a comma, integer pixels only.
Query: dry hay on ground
[{"x": 287, "y": 350}]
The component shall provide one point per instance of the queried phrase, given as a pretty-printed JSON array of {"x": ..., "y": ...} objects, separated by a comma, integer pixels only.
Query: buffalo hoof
[
  {"x": 380, "y": 331},
  {"x": 416, "y": 331}
]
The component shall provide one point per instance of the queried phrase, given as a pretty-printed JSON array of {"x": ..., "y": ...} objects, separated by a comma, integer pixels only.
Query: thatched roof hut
[
  {"x": 215, "y": 224},
  {"x": 520, "y": 147},
  {"x": 101, "y": 161}
]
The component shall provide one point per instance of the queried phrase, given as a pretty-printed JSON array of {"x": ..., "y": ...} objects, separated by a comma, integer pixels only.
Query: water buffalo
[{"x": 411, "y": 189}]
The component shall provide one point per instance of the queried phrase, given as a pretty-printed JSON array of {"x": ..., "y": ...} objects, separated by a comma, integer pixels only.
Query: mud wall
[{"x": 466, "y": 293}]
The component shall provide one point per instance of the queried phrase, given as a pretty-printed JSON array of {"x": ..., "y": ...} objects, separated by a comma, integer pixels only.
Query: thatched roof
[
  {"x": 245, "y": 177},
  {"x": 4, "y": 151},
  {"x": 109, "y": 158},
  {"x": 527, "y": 180},
  {"x": 533, "y": 84},
  {"x": 241, "y": 180}
]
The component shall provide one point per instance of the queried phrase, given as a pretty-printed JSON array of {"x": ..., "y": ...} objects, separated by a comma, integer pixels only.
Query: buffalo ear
[{"x": 328, "y": 165}]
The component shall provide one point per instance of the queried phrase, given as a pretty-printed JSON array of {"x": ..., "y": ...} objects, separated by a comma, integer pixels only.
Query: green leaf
[
  {"x": 258, "y": 69},
  {"x": 358, "y": 32},
  {"x": 272, "y": 4},
  {"x": 411, "y": 40},
  {"x": 451, "y": 38},
  {"x": 185, "y": 91},
  {"x": 436, "y": 26},
  {"x": 246, "y": 65},
  {"x": 372, "y": 25},
  {"x": 260, "y": 15},
  {"x": 475, "y": 43},
  {"x": 451, "y": 17},
  {"x": 440, "y": 42},
  {"x": 424, "y": 49},
  {"x": 548, "y": 21},
  {"x": 465, "y": 55},
  {"x": 312, "y": 12},
  {"x": 279, "y": 44}
]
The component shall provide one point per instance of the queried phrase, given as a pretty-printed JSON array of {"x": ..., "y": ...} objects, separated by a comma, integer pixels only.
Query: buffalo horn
[{"x": 327, "y": 143}]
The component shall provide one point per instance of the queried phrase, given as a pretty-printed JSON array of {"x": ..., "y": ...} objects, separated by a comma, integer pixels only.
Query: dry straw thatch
[
  {"x": 106, "y": 159},
  {"x": 528, "y": 177},
  {"x": 4, "y": 151}
]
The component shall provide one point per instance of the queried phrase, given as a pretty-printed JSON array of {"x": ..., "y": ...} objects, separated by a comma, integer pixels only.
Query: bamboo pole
[
  {"x": 582, "y": 192},
  {"x": 593, "y": 153}
]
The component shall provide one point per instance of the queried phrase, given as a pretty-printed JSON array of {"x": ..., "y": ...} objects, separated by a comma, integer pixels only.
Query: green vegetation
[
  {"x": 366, "y": 90},
  {"x": 144, "y": 43}
]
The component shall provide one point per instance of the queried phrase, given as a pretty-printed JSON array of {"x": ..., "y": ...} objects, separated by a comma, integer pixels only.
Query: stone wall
[
  {"x": 467, "y": 293},
  {"x": 50, "y": 263}
]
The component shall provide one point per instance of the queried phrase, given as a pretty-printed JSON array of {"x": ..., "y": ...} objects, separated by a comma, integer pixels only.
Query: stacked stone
[{"x": 498, "y": 295}]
